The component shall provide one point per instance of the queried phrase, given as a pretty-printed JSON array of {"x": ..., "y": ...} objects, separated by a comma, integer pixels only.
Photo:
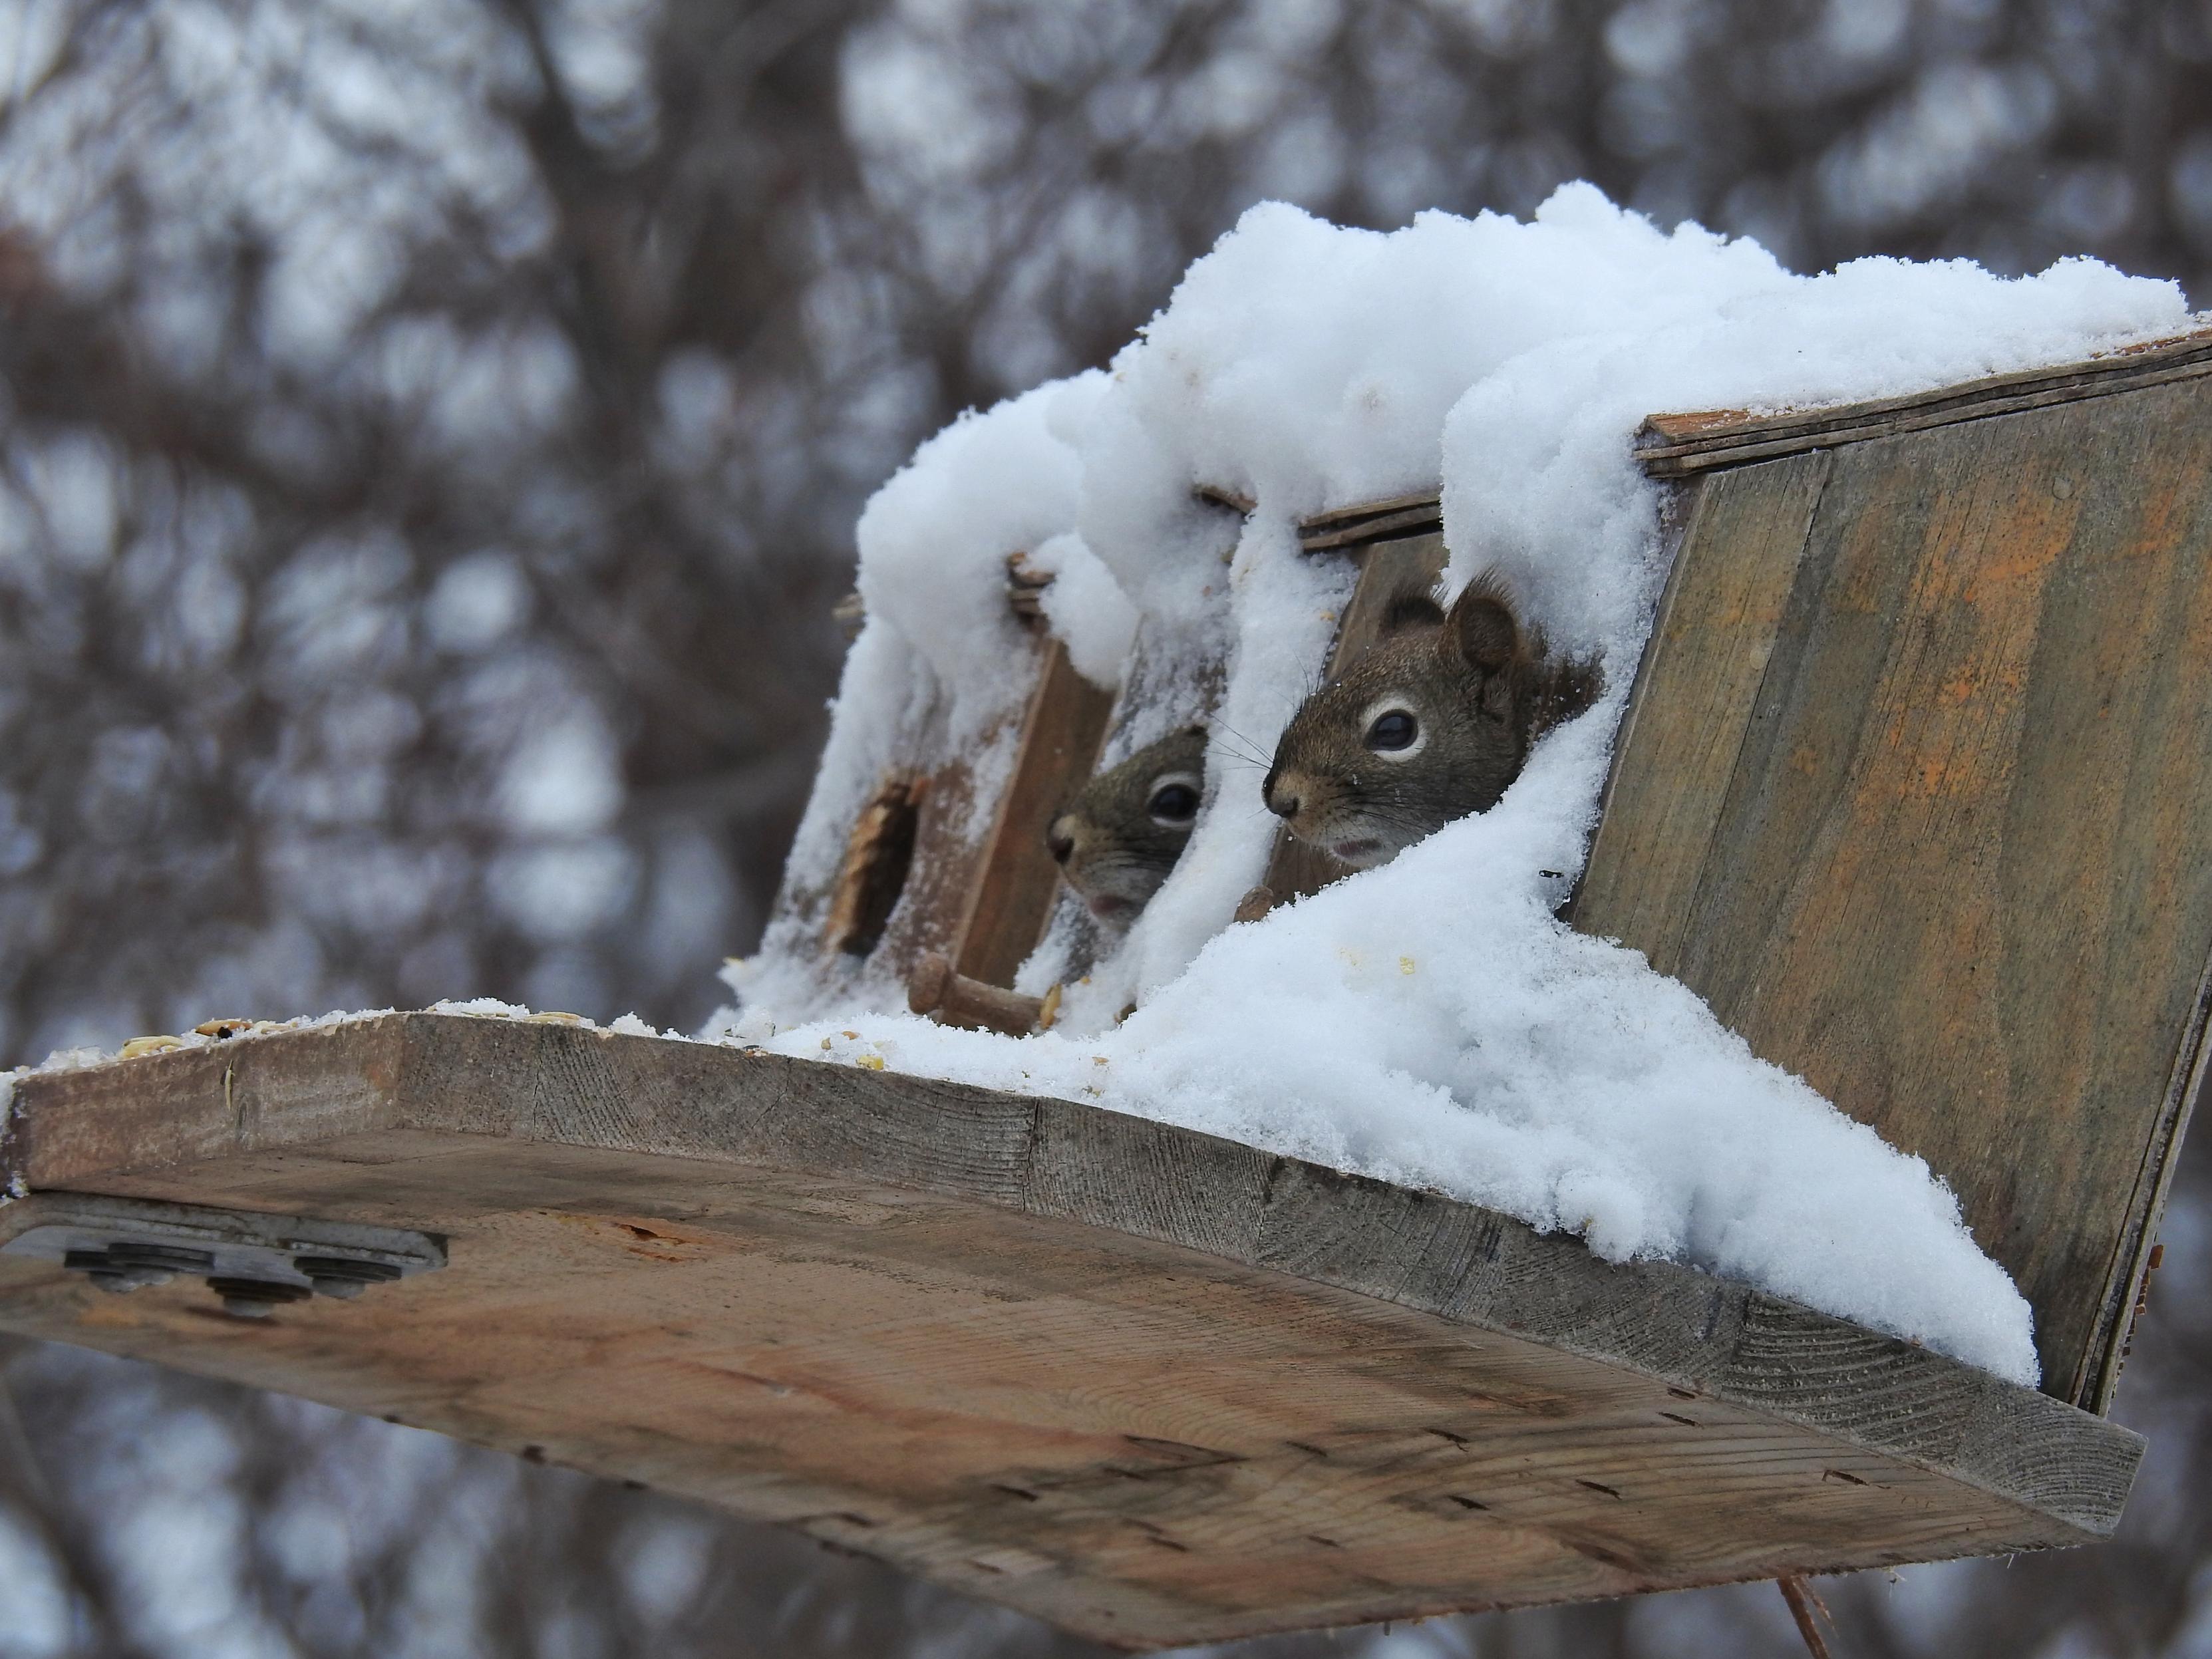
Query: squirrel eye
[
  {"x": 1173, "y": 803},
  {"x": 1395, "y": 730}
]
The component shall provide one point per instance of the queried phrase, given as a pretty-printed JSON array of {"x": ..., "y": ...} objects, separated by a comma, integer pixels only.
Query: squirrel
[
  {"x": 1115, "y": 841},
  {"x": 1429, "y": 726}
]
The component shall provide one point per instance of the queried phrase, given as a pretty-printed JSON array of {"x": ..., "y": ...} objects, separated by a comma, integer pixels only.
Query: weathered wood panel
[
  {"x": 1915, "y": 798},
  {"x": 1694, "y": 699},
  {"x": 1015, "y": 883},
  {"x": 951, "y": 837},
  {"x": 1152, "y": 1386},
  {"x": 929, "y": 868}
]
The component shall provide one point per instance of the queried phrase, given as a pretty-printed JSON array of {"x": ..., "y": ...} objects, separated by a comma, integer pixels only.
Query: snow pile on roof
[{"x": 1428, "y": 1022}]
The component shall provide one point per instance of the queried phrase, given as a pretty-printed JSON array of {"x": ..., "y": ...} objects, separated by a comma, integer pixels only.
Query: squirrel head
[
  {"x": 1430, "y": 725},
  {"x": 1116, "y": 841}
]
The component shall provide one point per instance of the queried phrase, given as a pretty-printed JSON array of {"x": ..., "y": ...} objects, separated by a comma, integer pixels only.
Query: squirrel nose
[
  {"x": 1283, "y": 807},
  {"x": 1061, "y": 843}
]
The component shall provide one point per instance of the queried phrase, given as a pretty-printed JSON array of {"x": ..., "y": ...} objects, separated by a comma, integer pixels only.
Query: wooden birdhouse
[{"x": 1911, "y": 790}]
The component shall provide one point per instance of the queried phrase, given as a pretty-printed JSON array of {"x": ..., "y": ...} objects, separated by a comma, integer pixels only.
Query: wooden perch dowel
[{"x": 953, "y": 998}]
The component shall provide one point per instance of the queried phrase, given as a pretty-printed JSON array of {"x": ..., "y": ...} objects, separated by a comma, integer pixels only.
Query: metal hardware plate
[{"x": 255, "y": 1263}]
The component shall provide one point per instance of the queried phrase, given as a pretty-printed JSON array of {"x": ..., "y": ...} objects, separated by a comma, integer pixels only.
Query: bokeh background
[{"x": 430, "y": 437}]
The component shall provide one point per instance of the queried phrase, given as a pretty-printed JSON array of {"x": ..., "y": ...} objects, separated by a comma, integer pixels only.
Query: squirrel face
[
  {"x": 1116, "y": 840},
  {"x": 1429, "y": 726}
]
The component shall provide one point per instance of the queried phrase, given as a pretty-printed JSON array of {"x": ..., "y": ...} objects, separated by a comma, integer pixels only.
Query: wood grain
[
  {"x": 1014, "y": 887},
  {"x": 1942, "y": 853},
  {"x": 1155, "y": 1387},
  {"x": 978, "y": 885},
  {"x": 1373, "y": 521},
  {"x": 1679, "y": 445},
  {"x": 1694, "y": 695}
]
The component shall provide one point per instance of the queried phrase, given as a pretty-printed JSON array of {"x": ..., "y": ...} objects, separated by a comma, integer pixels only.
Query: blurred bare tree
[{"x": 431, "y": 431}]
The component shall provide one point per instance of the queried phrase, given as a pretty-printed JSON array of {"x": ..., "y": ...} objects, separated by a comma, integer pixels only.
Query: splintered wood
[
  {"x": 877, "y": 856},
  {"x": 1151, "y": 1386}
]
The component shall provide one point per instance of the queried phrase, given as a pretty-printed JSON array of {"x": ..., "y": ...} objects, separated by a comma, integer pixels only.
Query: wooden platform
[{"x": 1151, "y": 1386}]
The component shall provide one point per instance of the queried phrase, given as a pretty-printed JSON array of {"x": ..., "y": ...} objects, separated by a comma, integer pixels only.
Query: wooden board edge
[
  {"x": 1681, "y": 502},
  {"x": 1467, "y": 1265},
  {"x": 185, "y": 1104},
  {"x": 1015, "y": 883},
  {"x": 1672, "y": 444},
  {"x": 1683, "y": 507},
  {"x": 1330, "y": 518},
  {"x": 1424, "y": 518},
  {"x": 1262, "y": 1627},
  {"x": 2097, "y": 1381}
]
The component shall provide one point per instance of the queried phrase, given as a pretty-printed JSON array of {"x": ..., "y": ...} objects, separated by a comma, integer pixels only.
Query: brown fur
[
  {"x": 1481, "y": 688},
  {"x": 1113, "y": 849}
]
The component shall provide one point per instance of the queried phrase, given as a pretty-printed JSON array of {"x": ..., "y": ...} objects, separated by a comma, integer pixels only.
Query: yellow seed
[
  {"x": 223, "y": 1028},
  {"x": 551, "y": 1019},
  {"x": 1405, "y": 965},
  {"x": 1050, "y": 1011},
  {"x": 148, "y": 1045},
  {"x": 873, "y": 1062}
]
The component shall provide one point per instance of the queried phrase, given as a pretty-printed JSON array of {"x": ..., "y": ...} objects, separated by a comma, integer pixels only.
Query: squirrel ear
[
  {"x": 1412, "y": 609},
  {"x": 1481, "y": 623}
]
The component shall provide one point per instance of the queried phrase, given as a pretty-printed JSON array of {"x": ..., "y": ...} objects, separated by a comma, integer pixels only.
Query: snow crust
[{"x": 1429, "y": 1022}]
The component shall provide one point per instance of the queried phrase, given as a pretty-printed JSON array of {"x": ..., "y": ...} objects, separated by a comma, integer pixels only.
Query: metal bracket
[{"x": 255, "y": 1263}]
